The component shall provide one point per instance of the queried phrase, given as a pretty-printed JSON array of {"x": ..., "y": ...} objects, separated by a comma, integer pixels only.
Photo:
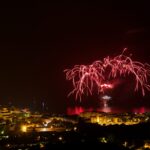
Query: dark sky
[{"x": 38, "y": 40}]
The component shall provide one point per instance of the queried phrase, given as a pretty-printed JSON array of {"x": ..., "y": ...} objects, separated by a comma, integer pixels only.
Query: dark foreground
[{"x": 85, "y": 135}]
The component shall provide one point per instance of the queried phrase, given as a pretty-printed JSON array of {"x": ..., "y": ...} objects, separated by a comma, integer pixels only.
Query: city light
[
  {"x": 24, "y": 128},
  {"x": 64, "y": 129}
]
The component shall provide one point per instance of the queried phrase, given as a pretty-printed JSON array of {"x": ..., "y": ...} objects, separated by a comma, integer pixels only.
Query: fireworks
[
  {"x": 123, "y": 65},
  {"x": 87, "y": 78}
]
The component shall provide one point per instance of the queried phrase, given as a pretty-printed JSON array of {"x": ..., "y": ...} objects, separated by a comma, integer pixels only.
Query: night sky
[{"x": 38, "y": 40}]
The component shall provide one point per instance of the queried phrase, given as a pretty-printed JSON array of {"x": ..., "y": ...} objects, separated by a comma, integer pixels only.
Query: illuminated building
[{"x": 113, "y": 119}]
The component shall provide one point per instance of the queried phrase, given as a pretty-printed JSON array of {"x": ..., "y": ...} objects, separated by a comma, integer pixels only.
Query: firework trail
[
  {"x": 86, "y": 78},
  {"x": 123, "y": 65}
]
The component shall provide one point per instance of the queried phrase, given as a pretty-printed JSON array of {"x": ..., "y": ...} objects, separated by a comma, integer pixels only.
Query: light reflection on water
[{"x": 79, "y": 109}]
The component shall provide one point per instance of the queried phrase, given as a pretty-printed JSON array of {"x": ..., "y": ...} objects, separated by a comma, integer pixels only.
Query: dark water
[{"x": 80, "y": 109}]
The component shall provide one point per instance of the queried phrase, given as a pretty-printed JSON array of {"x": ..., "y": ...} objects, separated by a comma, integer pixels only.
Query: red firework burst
[{"x": 85, "y": 77}]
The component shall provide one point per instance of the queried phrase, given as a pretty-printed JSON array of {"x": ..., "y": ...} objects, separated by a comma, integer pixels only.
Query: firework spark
[{"x": 87, "y": 78}]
